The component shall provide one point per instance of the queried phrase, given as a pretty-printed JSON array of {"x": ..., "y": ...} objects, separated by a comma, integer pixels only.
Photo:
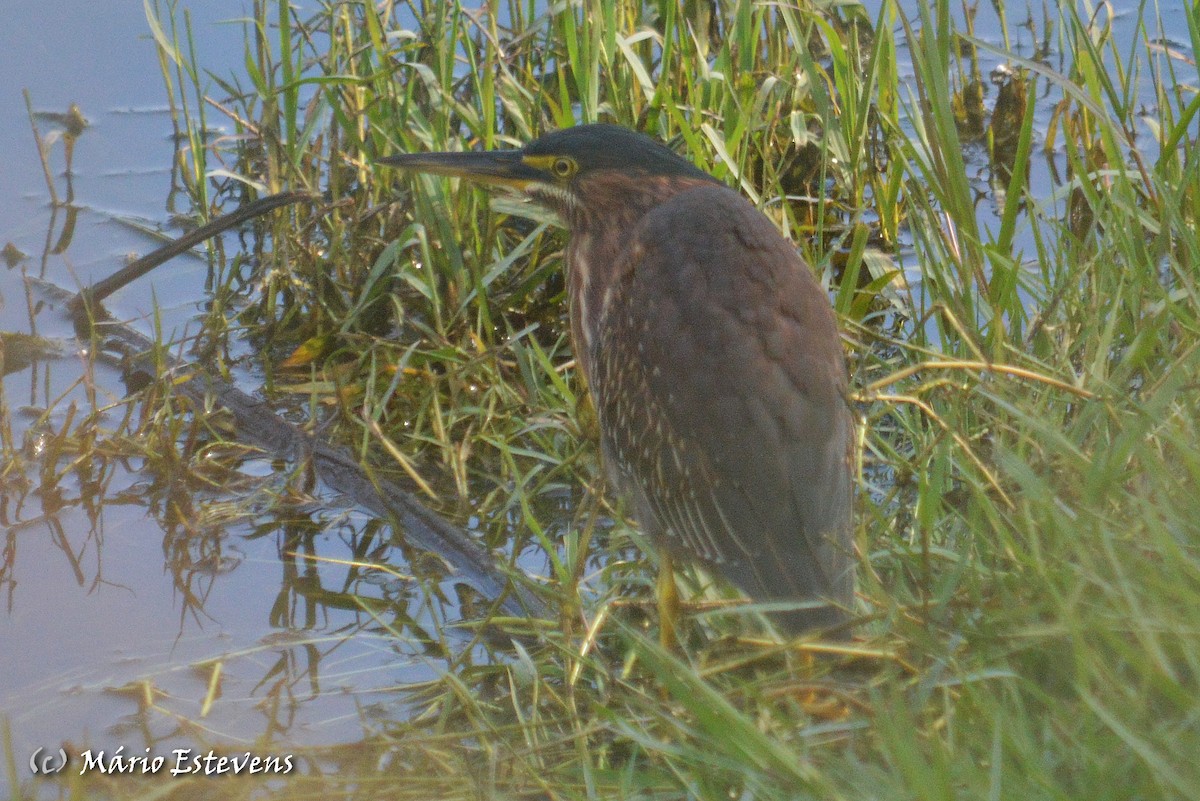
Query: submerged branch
[{"x": 136, "y": 269}]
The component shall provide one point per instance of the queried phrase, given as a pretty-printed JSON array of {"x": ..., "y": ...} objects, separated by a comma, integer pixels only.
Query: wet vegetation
[{"x": 1015, "y": 262}]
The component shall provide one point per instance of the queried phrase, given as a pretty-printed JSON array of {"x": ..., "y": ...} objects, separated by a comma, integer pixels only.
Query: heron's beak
[{"x": 494, "y": 167}]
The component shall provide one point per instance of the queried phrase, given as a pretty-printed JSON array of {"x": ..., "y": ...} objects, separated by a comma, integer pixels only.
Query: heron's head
[{"x": 585, "y": 170}]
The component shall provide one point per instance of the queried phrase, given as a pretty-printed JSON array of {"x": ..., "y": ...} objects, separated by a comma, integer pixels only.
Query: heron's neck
[{"x": 603, "y": 230}]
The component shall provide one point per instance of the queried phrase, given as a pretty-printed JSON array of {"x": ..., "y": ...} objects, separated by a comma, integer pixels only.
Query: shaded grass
[{"x": 1028, "y": 531}]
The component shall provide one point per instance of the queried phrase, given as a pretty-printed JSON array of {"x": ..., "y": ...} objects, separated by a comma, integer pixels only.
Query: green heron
[{"x": 712, "y": 356}]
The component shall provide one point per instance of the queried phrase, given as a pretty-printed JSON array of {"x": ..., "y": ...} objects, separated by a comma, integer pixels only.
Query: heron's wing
[{"x": 721, "y": 390}]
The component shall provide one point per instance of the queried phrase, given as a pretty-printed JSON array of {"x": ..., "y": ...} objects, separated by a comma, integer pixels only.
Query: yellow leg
[{"x": 668, "y": 602}]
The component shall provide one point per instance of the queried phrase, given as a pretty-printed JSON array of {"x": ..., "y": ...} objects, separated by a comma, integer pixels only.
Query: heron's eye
[{"x": 564, "y": 167}]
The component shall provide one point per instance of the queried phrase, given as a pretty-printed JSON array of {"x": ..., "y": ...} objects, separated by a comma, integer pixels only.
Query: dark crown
[{"x": 601, "y": 146}]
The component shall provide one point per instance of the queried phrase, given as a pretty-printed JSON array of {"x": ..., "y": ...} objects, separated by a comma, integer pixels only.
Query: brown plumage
[{"x": 713, "y": 358}]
